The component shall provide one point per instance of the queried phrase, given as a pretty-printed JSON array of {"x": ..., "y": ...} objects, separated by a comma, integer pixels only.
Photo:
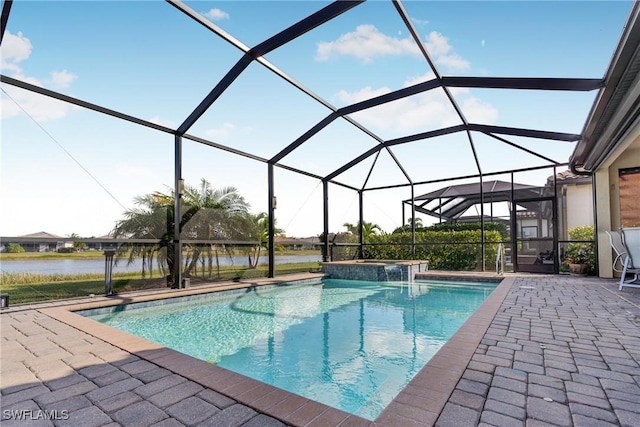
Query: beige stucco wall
[
  {"x": 607, "y": 196},
  {"x": 579, "y": 205}
]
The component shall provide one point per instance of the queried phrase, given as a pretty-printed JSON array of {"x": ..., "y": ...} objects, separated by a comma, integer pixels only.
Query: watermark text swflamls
[{"x": 30, "y": 414}]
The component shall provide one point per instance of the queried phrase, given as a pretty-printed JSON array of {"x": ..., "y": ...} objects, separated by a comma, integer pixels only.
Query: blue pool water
[{"x": 349, "y": 344}]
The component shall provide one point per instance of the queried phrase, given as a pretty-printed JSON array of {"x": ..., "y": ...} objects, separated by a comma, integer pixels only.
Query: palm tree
[
  {"x": 151, "y": 219},
  {"x": 78, "y": 246},
  {"x": 261, "y": 224},
  {"x": 368, "y": 229},
  {"x": 418, "y": 222},
  {"x": 351, "y": 228},
  {"x": 208, "y": 214},
  {"x": 216, "y": 214}
]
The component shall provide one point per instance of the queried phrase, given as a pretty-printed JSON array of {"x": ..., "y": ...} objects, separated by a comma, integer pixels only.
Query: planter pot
[{"x": 578, "y": 269}]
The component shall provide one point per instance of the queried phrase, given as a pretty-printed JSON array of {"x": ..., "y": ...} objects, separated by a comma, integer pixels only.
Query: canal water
[{"x": 81, "y": 266}]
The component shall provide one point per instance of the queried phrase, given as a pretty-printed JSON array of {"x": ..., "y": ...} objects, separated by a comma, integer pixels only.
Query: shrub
[
  {"x": 14, "y": 248},
  {"x": 461, "y": 226},
  {"x": 582, "y": 252},
  {"x": 445, "y": 250}
]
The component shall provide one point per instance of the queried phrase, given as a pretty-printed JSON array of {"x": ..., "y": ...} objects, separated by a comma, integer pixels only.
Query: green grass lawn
[
  {"x": 26, "y": 287},
  {"x": 26, "y": 256}
]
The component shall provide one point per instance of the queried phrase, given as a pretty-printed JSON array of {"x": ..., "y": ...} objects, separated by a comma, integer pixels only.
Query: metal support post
[
  {"x": 325, "y": 216},
  {"x": 108, "y": 270},
  {"x": 272, "y": 206},
  {"x": 177, "y": 217},
  {"x": 361, "y": 225}
]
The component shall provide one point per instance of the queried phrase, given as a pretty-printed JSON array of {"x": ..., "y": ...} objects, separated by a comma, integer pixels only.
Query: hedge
[{"x": 445, "y": 250}]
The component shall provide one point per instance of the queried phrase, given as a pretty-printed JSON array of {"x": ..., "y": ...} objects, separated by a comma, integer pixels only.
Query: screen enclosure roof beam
[
  {"x": 301, "y": 27},
  {"x": 421, "y": 46},
  {"x": 524, "y": 83},
  {"x": 456, "y": 178},
  {"x": 529, "y": 133},
  {"x": 109, "y": 112},
  {"x": 88, "y": 105},
  {"x": 334, "y": 7},
  {"x": 6, "y": 9},
  {"x": 526, "y": 150},
  {"x": 405, "y": 139}
]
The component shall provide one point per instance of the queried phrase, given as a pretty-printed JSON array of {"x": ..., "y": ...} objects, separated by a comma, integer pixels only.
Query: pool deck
[{"x": 542, "y": 350}]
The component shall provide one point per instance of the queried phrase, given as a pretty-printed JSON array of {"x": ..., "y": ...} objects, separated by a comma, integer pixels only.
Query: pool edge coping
[
  {"x": 419, "y": 403},
  {"x": 430, "y": 389}
]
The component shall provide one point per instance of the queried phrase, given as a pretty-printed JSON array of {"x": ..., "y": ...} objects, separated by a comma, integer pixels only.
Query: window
[{"x": 629, "y": 184}]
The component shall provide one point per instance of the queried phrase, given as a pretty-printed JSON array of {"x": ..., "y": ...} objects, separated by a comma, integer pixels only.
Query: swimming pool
[{"x": 349, "y": 344}]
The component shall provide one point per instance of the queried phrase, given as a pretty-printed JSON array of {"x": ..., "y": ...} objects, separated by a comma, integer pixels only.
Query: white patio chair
[{"x": 624, "y": 259}]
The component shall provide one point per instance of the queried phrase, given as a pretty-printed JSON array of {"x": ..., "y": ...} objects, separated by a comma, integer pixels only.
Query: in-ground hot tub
[{"x": 375, "y": 270}]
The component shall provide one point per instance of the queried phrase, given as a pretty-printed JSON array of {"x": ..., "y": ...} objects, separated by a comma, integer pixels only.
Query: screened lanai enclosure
[{"x": 214, "y": 140}]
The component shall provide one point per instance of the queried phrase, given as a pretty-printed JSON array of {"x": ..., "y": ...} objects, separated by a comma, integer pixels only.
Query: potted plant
[
  {"x": 580, "y": 256},
  {"x": 578, "y": 259}
]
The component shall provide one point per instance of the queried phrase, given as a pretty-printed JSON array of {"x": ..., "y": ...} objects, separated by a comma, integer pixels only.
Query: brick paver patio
[{"x": 560, "y": 351}]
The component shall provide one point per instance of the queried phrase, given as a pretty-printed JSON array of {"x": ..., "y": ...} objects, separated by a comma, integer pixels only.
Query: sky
[{"x": 65, "y": 169}]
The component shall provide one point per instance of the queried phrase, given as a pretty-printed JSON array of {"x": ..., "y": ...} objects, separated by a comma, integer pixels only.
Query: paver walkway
[
  {"x": 561, "y": 351},
  {"x": 83, "y": 381}
]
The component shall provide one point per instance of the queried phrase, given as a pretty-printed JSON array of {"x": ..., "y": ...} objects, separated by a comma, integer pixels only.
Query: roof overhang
[{"x": 616, "y": 110}]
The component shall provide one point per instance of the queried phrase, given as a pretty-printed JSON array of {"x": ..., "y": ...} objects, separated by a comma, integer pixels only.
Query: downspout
[
  {"x": 554, "y": 214},
  {"x": 565, "y": 225},
  {"x": 574, "y": 169},
  {"x": 595, "y": 221},
  {"x": 514, "y": 231}
]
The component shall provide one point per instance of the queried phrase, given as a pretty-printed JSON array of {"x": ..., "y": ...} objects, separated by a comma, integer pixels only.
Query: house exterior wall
[
  {"x": 579, "y": 205},
  {"x": 608, "y": 197}
]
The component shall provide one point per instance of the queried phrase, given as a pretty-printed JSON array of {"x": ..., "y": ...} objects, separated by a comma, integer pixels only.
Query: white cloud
[
  {"x": 15, "y": 49},
  {"x": 362, "y": 94},
  {"x": 482, "y": 43},
  {"x": 162, "y": 122},
  {"x": 419, "y": 79},
  {"x": 367, "y": 43},
  {"x": 216, "y": 14},
  {"x": 477, "y": 111},
  {"x": 424, "y": 111},
  {"x": 225, "y": 130},
  {"x": 453, "y": 61},
  {"x": 437, "y": 44},
  {"x": 40, "y": 107},
  {"x": 439, "y": 48},
  {"x": 419, "y": 21},
  {"x": 62, "y": 78}
]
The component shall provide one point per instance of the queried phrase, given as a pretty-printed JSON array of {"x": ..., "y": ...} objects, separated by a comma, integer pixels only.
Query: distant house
[
  {"x": 100, "y": 243},
  {"x": 36, "y": 242},
  {"x": 575, "y": 201},
  {"x": 298, "y": 243},
  {"x": 47, "y": 242}
]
